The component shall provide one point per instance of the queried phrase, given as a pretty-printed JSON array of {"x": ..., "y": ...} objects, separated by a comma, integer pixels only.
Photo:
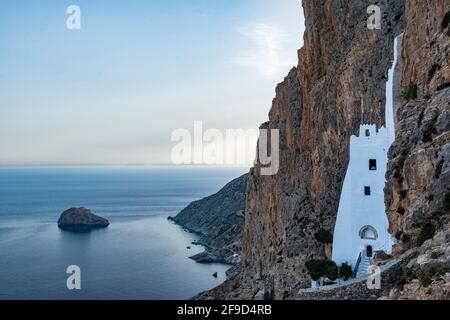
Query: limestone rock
[
  {"x": 419, "y": 171},
  {"x": 428, "y": 275},
  {"x": 81, "y": 220}
]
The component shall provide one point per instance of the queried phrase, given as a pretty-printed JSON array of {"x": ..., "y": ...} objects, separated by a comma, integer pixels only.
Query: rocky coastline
[{"x": 219, "y": 221}]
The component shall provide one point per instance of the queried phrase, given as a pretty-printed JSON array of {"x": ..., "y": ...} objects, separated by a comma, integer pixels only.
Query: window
[
  {"x": 367, "y": 133},
  {"x": 367, "y": 191},
  {"x": 368, "y": 233},
  {"x": 372, "y": 165}
]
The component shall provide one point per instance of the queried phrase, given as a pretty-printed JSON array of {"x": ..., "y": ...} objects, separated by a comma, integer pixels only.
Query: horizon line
[{"x": 121, "y": 165}]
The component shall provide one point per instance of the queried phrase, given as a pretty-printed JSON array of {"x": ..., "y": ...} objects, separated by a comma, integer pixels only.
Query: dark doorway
[{"x": 369, "y": 251}]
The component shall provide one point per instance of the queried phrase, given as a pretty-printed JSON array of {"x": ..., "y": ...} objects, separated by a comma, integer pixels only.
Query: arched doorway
[{"x": 369, "y": 251}]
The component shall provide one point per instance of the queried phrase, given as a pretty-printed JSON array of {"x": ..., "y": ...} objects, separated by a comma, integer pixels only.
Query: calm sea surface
[{"x": 140, "y": 256}]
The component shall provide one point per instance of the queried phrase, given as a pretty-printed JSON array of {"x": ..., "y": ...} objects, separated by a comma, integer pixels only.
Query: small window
[
  {"x": 368, "y": 233},
  {"x": 367, "y": 191},
  {"x": 367, "y": 133},
  {"x": 372, "y": 165}
]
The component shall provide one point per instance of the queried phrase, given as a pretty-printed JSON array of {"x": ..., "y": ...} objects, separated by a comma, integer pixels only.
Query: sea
[{"x": 140, "y": 256}]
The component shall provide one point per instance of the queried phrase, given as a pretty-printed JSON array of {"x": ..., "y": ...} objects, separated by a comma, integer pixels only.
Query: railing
[{"x": 355, "y": 271}]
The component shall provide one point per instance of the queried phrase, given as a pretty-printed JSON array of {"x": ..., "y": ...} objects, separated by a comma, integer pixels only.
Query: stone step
[{"x": 363, "y": 267}]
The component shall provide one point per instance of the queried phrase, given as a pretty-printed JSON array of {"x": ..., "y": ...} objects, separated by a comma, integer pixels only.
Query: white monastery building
[{"x": 362, "y": 225}]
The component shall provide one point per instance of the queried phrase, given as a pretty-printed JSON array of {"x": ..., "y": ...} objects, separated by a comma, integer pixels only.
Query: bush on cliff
[
  {"x": 427, "y": 232},
  {"x": 324, "y": 236},
  {"x": 447, "y": 201},
  {"x": 424, "y": 280},
  {"x": 410, "y": 92}
]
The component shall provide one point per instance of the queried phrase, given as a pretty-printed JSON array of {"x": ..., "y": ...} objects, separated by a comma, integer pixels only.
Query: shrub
[
  {"x": 345, "y": 271},
  {"x": 446, "y": 20},
  {"x": 324, "y": 236},
  {"x": 331, "y": 270},
  {"x": 322, "y": 268},
  {"x": 315, "y": 269},
  {"x": 447, "y": 201},
  {"x": 424, "y": 279},
  {"x": 426, "y": 233},
  {"x": 410, "y": 92},
  {"x": 402, "y": 276}
]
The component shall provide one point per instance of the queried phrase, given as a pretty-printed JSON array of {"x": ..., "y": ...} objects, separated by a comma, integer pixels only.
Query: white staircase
[{"x": 363, "y": 266}]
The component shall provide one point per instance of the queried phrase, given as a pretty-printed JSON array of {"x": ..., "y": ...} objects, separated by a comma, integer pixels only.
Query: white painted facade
[
  {"x": 361, "y": 219},
  {"x": 362, "y": 224}
]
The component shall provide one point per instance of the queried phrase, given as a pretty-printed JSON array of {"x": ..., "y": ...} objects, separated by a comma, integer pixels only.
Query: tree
[
  {"x": 345, "y": 271},
  {"x": 315, "y": 269},
  {"x": 331, "y": 270},
  {"x": 319, "y": 269}
]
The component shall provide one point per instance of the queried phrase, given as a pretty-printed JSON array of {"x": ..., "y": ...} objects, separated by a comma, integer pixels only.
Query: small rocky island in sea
[{"x": 81, "y": 220}]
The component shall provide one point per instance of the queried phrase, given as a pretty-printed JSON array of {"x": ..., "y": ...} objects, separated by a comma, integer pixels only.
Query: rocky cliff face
[
  {"x": 317, "y": 108},
  {"x": 418, "y": 178},
  {"x": 219, "y": 219},
  {"x": 419, "y": 172},
  {"x": 427, "y": 276}
]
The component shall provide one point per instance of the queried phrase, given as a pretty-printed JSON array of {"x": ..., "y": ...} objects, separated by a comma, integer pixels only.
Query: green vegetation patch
[
  {"x": 322, "y": 268},
  {"x": 324, "y": 236},
  {"x": 345, "y": 271},
  {"x": 410, "y": 92}
]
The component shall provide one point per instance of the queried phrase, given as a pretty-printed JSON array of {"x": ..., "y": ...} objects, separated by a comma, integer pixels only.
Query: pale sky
[{"x": 113, "y": 92}]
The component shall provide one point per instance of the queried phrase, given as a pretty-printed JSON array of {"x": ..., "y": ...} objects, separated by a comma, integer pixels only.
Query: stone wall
[{"x": 357, "y": 289}]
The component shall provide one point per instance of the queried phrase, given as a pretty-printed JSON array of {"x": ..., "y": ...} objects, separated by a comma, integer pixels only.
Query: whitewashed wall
[{"x": 356, "y": 210}]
